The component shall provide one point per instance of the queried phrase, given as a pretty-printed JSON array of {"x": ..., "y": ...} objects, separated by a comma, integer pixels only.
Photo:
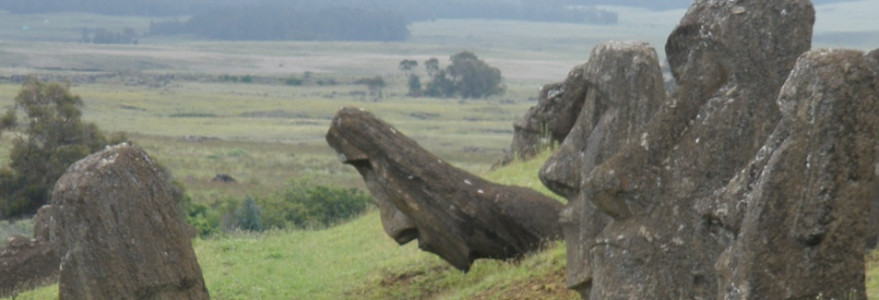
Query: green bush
[
  {"x": 249, "y": 216},
  {"x": 304, "y": 204},
  {"x": 294, "y": 81},
  {"x": 198, "y": 215}
]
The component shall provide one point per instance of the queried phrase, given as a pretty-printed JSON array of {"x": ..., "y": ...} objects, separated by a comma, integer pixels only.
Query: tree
[
  {"x": 407, "y": 66},
  {"x": 249, "y": 216},
  {"x": 467, "y": 77},
  {"x": 440, "y": 85},
  {"x": 414, "y": 85},
  {"x": 375, "y": 85},
  {"x": 53, "y": 139},
  {"x": 473, "y": 78},
  {"x": 432, "y": 66}
]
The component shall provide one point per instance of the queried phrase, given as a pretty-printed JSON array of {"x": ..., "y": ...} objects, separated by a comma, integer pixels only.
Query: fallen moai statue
[
  {"x": 452, "y": 213},
  {"x": 121, "y": 233}
]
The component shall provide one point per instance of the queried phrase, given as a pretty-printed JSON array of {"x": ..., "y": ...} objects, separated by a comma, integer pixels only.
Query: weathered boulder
[
  {"x": 29, "y": 263},
  {"x": 625, "y": 89},
  {"x": 224, "y": 178},
  {"x": 43, "y": 221},
  {"x": 452, "y": 213},
  {"x": 547, "y": 123},
  {"x": 874, "y": 55},
  {"x": 26, "y": 263},
  {"x": 122, "y": 234},
  {"x": 729, "y": 59},
  {"x": 808, "y": 193}
]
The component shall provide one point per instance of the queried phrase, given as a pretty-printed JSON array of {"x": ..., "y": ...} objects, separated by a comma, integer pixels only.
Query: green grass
[
  {"x": 873, "y": 275},
  {"x": 524, "y": 173}
]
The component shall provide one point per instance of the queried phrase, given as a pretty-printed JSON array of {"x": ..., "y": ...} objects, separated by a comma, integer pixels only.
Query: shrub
[
  {"x": 199, "y": 216},
  {"x": 249, "y": 216},
  {"x": 294, "y": 81},
  {"x": 304, "y": 204}
]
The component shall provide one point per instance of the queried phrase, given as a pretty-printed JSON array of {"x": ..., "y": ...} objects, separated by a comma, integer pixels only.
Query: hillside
[{"x": 356, "y": 260}]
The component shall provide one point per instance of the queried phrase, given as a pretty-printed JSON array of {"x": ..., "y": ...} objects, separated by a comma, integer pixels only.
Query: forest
[
  {"x": 279, "y": 23},
  {"x": 346, "y": 20}
]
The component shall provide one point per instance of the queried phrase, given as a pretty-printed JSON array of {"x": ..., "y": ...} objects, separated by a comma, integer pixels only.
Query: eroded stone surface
[
  {"x": 625, "y": 90},
  {"x": 121, "y": 232},
  {"x": 548, "y": 123},
  {"x": 806, "y": 197},
  {"x": 729, "y": 59},
  {"x": 26, "y": 263},
  {"x": 29, "y": 263},
  {"x": 452, "y": 213}
]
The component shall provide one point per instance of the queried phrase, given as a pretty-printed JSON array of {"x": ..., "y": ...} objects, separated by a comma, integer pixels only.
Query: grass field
[{"x": 167, "y": 96}]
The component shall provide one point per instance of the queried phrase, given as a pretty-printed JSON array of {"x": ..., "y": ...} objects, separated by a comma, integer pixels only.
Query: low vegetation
[{"x": 301, "y": 204}]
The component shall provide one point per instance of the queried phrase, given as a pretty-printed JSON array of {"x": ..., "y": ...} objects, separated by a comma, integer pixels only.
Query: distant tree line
[
  {"x": 570, "y": 11},
  {"x": 535, "y": 10},
  {"x": 411, "y": 11},
  {"x": 127, "y": 7},
  {"x": 104, "y": 36},
  {"x": 280, "y": 23}
]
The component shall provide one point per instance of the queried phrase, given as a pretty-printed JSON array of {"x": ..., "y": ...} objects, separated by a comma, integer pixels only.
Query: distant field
[{"x": 265, "y": 135}]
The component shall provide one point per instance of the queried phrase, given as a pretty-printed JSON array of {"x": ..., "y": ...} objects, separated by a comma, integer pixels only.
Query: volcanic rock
[
  {"x": 548, "y": 123},
  {"x": 121, "y": 232},
  {"x": 452, "y": 213},
  {"x": 625, "y": 90},
  {"x": 26, "y": 263},
  {"x": 729, "y": 59},
  {"x": 808, "y": 193}
]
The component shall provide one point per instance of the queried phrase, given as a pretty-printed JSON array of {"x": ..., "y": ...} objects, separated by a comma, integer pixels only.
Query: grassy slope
[{"x": 357, "y": 260}]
